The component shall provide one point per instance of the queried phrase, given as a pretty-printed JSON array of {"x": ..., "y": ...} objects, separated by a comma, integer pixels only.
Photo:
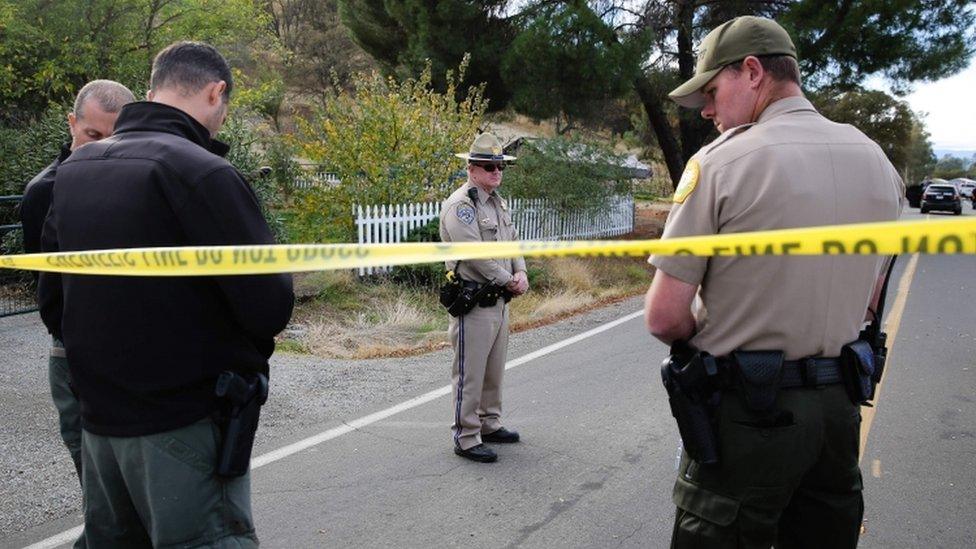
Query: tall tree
[
  {"x": 885, "y": 119},
  {"x": 921, "y": 159},
  {"x": 319, "y": 48},
  {"x": 404, "y": 34},
  {"x": 950, "y": 167},
  {"x": 565, "y": 64},
  {"x": 840, "y": 43}
]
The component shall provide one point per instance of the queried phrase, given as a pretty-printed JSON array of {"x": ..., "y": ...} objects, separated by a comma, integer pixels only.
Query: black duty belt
[
  {"x": 488, "y": 293},
  {"x": 807, "y": 372}
]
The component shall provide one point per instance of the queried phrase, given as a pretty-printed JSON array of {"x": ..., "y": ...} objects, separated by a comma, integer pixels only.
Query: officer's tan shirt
[
  {"x": 792, "y": 168},
  {"x": 490, "y": 220}
]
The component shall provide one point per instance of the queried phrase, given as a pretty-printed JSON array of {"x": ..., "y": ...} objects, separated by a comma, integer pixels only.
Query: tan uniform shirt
[
  {"x": 490, "y": 220},
  {"x": 792, "y": 168}
]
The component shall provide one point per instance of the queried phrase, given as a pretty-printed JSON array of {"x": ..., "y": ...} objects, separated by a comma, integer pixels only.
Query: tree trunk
[
  {"x": 692, "y": 127},
  {"x": 662, "y": 128}
]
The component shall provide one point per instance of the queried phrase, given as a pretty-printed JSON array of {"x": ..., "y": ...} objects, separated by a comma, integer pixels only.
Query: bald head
[
  {"x": 96, "y": 108},
  {"x": 109, "y": 94}
]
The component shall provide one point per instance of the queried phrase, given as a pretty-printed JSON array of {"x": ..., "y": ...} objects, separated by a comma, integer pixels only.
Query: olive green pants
[
  {"x": 160, "y": 491},
  {"x": 789, "y": 479},
  {"x": 65, "y": 401}
]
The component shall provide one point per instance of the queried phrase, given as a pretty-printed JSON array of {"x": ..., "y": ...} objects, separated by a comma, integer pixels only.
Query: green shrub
[
  {"x": 338, "y": 290},
  {"x": 539, "y": 276},
  {"x": 572, "y": 173},
  {"x": 254, "y": 145},
  {"x": 389, "y": 142},
  {"x": 429, "y": 275},
  {"x": 27, "y": 149}
]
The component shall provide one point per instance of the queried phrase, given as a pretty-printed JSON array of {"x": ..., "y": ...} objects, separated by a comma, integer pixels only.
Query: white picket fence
[
  {"x": 307, "y": 180},
  {"x": 535, "y": 219}
]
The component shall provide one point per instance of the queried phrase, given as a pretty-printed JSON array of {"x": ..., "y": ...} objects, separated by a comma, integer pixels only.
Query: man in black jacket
[
  {"x": 96, "y": 107},
  {"x": 145, "y": 352}
]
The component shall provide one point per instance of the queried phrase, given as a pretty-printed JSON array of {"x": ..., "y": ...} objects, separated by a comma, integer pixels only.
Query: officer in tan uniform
[
  {"x": 475, "y": 213},
  {"x": 787, "y": 432}
]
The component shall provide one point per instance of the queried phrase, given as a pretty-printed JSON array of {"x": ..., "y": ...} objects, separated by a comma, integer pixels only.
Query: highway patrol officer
[
  {"x": 473, "y": 213},
  {"x": 787, "y": 472}
]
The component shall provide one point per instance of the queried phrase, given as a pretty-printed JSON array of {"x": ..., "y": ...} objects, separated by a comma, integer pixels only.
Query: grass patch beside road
[{"x": 339, "y": 316}]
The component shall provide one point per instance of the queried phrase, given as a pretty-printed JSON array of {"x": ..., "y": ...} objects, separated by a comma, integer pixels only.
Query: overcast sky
[{"x": 951, "y": 108}]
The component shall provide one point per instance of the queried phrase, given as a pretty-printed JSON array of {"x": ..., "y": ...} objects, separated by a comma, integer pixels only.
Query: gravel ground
[{"x": 37, "y": 479}]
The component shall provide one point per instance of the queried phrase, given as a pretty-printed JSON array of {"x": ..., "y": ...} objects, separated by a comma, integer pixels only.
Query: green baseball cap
[{"x": 730, "y": 42}]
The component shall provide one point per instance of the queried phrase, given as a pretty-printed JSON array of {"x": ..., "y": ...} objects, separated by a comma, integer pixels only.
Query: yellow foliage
[{"x": 389, "y": 142}]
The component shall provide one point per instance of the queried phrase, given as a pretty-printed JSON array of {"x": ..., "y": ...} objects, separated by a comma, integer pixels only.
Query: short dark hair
[
  {"x": 783, "y": 68},
  {"x": 109, "y": 95},
  {"x": 190, "y": 66}
]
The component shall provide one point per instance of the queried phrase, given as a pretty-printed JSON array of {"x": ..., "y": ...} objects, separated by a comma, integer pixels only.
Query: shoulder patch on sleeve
[
  {"x": 688, "y": 182},
  {"x": 465, "y": 213}
]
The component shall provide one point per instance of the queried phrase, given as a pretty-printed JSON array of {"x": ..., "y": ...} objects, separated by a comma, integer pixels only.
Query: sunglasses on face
[{"x": 490, "y": 167}]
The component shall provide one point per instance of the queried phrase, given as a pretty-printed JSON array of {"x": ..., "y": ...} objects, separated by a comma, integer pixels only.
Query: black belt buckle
[{"x": 808, "y": 372}]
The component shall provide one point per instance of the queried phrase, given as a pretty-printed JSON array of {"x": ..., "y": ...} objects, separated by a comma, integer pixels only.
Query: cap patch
[
  {"x": 688, "y": 182},
  {"x": 466, "y": 214}
]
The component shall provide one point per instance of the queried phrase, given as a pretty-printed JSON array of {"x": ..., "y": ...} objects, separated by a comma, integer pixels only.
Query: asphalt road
[
  {"x": 593, "y": 471},
  {"x": 919, "y": 463},
  {"x": 597, "y": 460}
]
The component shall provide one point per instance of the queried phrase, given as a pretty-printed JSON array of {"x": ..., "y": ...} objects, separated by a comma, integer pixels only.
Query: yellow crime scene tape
[{"x": 957, "y": 236}]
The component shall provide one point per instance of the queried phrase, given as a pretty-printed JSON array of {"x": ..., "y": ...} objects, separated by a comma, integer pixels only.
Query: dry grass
[
  {"x": 533, "y": 307},
  {"x": 386, "y": 321},
  {"x": 572, "y": 274},
  {"x": 344, "y": 318}
]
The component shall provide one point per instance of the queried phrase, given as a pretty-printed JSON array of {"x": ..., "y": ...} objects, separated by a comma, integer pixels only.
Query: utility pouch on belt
[
  {"x": 692, "y": 382},
  {"x": 759, "y": 374},
  {"x": 859, "y": 369},
  {"x": 240, "y": 399}
]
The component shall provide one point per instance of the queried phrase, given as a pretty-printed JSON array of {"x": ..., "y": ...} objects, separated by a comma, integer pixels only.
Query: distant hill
[{"x": 958, "y": 153}]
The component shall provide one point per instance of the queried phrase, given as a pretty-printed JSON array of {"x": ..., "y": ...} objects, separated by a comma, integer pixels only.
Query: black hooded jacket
[{"x": 145, "y": 352}]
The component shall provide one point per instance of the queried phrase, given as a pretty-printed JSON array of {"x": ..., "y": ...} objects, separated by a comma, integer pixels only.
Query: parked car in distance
[
  {"x": 965, "y": 186},
  {"x": 942, "y": 196},
  {"x": 914, "y": 191}
]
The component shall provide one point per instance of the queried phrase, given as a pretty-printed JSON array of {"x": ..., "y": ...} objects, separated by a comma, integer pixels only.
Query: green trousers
[
  {"x": 789, "y": 479},
  {"x": 160, "y": 491},
  {"x": 65, "y": 401}
]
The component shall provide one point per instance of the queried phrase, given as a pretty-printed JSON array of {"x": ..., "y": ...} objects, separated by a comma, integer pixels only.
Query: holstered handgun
[
  {"x": 693, "y": 382},
  {"x": 878, "y": 341},
  {"x": 864, "y": 362},
  {"x": 240, "y": 399},
  {"x": 450, "y": 289},
  {"x": 864, "y": 359}
]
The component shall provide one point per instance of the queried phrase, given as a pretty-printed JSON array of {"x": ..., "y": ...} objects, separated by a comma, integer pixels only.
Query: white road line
[
  {"x": 67, "y": 536},
  {"x": 281, "y": 453}
]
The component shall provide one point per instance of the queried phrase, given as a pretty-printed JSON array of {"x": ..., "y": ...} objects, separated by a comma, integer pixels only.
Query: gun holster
[
  {"x": 694, "y": 392},
  {"x": 450, "y": 289},
  {"x": 240, "y": 398},
  {"x": 862, "y": 368}
]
